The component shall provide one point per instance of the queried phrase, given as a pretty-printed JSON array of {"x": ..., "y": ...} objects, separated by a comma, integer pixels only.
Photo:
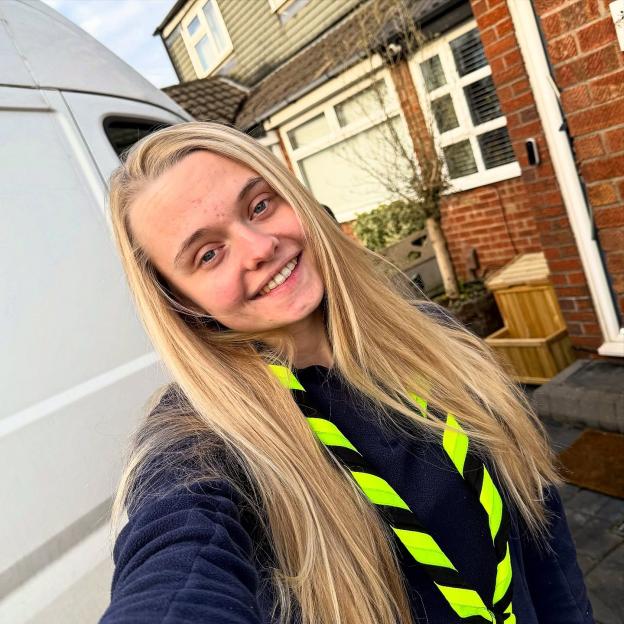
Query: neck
[{"x": 311, "y": 343}]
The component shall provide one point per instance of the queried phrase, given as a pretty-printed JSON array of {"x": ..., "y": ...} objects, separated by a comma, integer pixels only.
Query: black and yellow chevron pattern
[{"x": 465, "y": 601}]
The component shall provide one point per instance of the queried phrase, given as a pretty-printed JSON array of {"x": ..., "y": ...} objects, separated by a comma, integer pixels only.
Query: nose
[{"x": 256, "y": 247}]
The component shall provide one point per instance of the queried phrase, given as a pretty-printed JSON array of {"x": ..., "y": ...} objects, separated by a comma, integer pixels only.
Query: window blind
[
  {"x": 460, "y": 159},
  {"x": 482, "y": 100},
  {"x": 468, "y": 52},
  {"x": 496, "y": 148}
]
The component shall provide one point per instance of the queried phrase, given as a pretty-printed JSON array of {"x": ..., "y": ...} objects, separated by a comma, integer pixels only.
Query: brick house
[{"x": 525, "y": 98}]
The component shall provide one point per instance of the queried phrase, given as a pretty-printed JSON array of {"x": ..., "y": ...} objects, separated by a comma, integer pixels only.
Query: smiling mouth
[{"x": 279, "y": 278}]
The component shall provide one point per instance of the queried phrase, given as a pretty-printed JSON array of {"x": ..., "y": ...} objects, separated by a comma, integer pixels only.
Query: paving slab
[
  {"x": 596, "y": 522},
  {"x": 605, "y": 584},
  {"x": 588, "y": 393}
]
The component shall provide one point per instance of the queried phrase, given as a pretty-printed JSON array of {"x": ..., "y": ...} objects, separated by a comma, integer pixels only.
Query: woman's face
[{"x": 219, "y": 234}]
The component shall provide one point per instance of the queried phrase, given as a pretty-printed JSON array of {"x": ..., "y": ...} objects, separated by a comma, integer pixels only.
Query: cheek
[{"x": 221, "y": 296}]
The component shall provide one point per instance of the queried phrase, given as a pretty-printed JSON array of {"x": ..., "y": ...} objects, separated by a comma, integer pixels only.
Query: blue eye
[
  {"x": 264, "y": 203},
  {"x": 202, "y": 259}
]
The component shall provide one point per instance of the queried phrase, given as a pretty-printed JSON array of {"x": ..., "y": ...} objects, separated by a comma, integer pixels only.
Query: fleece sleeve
[
  {"x": 554, "y": 578},
  {"x": 185, "y": 558}
]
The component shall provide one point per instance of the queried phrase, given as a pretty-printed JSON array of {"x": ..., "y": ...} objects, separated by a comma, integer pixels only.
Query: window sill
[{"x": 483, "y": 178}]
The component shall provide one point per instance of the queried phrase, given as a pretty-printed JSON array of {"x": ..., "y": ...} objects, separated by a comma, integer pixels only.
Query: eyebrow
[{"x": 199, "y": 233}]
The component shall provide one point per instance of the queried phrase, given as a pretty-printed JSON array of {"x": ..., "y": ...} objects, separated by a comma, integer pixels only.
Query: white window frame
[
  {"x": 271, "y": 142},
  {"x": 337, "y": 133},
  {"x": 466, "y": 129},
  {"x": 190, "y": 40}
]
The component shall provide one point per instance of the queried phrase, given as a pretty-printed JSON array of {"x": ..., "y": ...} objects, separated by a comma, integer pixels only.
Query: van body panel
[
  {"x": 78, "y": 368},
  {"x": 91, "y": 111},
  {"x": 66, "y": 315},
  {"x": 31, "y": 35},
  {"x": 13, "y": 99},
  {"x": 59, "y": 466},
  {"x": 13, "y": 70}
]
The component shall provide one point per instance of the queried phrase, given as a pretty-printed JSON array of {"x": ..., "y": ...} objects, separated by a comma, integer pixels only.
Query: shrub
[{"x": 388, "y": 223}]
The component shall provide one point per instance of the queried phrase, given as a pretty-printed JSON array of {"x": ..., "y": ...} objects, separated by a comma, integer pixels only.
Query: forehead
[{"x": 195, "y": 192}]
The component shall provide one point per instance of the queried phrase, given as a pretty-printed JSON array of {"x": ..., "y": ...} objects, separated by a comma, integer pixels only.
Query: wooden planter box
[
  {"x": 533, "y": 360},
  {"x": 530, "y": 311},
  {"x": 526, "y": 299}
]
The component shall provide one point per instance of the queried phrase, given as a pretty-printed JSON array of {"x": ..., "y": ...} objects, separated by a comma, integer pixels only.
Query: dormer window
[{"x": 206, "y": 37}]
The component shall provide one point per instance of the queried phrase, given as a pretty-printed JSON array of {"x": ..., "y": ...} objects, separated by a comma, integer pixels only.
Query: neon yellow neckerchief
[{"x": 465, "y": 602}]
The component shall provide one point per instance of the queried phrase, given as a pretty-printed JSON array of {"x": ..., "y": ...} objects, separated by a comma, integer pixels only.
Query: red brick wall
[
  {"x": 544, "y": 199},
  {"x": 496, "y": 220},
  {"x": 589, "y": 71}
]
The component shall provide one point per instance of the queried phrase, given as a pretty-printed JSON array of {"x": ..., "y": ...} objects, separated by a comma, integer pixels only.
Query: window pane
[
  {"x": 496, "y": 148},
  {"x": 347, "y": 176},
  {"x": 214, "y": 24},
  {"x": 482, "y": 101},
  {"x": 308, "y": 132},
  {"x": 468, "y": 52},
  {"x": 206, "y": 52},
  {"x": 433, "y": 73},
  {"x": 193, "y": 27},
  {"x": 460, "y": 159},
  {"x": 444, "y": 113},
  {"x": 369, "y": 102},
  {"x": 124, "y": 133}
]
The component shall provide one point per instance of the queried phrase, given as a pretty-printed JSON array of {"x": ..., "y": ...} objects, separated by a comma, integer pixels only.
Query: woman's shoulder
[
  {"x": 173, "y": 449},
  {"x": 187, "y": 551}
]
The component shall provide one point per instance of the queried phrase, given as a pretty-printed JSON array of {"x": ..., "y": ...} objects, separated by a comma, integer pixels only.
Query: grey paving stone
[
  {"x": 605, "y": 584},
  {"x": 589, "y": 502},
  {"x": 561, "y": 436},
  {"x": 564, "y": 406},
  {"x": 568, "y": 492},
  {"x": 593, "y": 518},
  {"x": 576, "y": 519},
  {"x": 588, "y": 392},
  {"x": 541, "y": 404},
  {"x": 586, "y": 563},
  {"x": 613, "y": 510},
  {"x": 619, "y": 409},
  {"x": 592, "y": 535}
]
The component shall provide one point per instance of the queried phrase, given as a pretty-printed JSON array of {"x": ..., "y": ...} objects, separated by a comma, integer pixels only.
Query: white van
[{"x": 77, "y": 366}]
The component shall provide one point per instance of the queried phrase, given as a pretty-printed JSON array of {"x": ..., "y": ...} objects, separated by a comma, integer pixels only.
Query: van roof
[{"x": 40, "y": 48}]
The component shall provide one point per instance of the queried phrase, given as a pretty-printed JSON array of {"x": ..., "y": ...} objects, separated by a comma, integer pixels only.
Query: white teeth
[{"x": 280, "y": 277}]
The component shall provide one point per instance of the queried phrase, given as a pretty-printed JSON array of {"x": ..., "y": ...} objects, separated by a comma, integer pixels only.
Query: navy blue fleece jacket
[{"x": 196, "y": 555}]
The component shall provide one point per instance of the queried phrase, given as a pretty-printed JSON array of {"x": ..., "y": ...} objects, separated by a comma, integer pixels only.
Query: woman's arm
[
  {"x": 185, "y": 558},
  {"x": 553, "y": 575}
]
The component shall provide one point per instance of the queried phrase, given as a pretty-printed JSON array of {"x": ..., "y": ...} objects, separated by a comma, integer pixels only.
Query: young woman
[{"x": 332, "y": 450}]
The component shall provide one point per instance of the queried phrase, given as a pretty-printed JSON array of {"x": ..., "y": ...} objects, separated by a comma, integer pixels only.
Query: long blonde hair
[{"x": 328, "y": 566}]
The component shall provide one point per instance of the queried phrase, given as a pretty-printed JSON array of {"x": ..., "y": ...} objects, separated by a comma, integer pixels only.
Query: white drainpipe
[{"x": 547, "y": 100}]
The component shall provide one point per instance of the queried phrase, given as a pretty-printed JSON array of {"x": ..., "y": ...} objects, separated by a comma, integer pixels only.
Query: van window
[{"x": 124, "y": 133}]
